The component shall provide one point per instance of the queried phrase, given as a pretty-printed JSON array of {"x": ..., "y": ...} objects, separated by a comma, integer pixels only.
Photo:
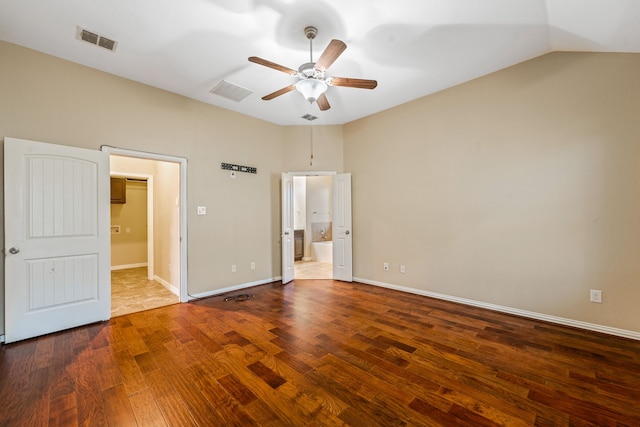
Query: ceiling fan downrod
[{"x": 311, "y": 32}]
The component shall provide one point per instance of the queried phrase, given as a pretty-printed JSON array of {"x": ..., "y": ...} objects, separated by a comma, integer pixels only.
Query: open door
[
  {"x": 57, "y": 272},
  {"x": 287, "y": 228},
  {"x": 342, "y": 236}
]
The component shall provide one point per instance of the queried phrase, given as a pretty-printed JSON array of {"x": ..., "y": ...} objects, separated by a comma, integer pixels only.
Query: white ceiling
[{"x": 411, "y": 47}]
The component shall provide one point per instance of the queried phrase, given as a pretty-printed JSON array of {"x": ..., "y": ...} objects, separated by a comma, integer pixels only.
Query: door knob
[
  {"x": 14, "y": 251},
  {"x": 286, "y": 233},
  {"x": 346, "y": 232}
]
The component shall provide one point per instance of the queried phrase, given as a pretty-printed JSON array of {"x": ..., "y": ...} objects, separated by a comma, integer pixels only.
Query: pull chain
[{"x": 311, "y": 139}]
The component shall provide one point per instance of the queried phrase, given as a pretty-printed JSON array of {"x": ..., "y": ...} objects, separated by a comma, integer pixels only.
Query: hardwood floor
[{"x": 321, "y": 353}]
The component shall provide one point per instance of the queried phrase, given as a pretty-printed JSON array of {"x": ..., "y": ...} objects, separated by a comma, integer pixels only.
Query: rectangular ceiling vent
[
  {"x": 309, "y": 117},
  {"x": 231, "y": 91},
  {"x": 96, "y": 39}
]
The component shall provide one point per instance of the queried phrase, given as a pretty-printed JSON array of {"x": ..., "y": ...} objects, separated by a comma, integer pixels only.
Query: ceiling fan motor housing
[{"x": 308, "y": 71}]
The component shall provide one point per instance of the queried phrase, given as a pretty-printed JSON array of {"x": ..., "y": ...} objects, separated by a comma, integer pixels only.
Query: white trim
[
  {"x": 313, "y": 173},
  {"x": 182, "y": 161},
  {"x": 142, "y": 154},
  {"x": 167, "y": 285},
  {"x": 509, "y": 310},
  {"x": 233, "y": 288},
  {"x": 126, "y": 266},
  {"x": 2, "y": 338}
]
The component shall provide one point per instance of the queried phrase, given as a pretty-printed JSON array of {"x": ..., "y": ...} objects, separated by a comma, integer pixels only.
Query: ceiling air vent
[
  {"x": 231, "y": 91},
  {"x": 309, "y": 117},
  {"x": 96, "y": 39}
]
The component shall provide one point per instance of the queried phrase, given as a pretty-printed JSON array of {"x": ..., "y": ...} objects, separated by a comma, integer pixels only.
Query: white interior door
[
  {"x": 57, "y": 258},
  {"x": 342, "y": 235},
  {"x": 288, "y": 257}
]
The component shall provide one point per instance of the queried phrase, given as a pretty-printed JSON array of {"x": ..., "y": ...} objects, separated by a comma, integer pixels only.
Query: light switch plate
[{"x": 202, "y": 210}]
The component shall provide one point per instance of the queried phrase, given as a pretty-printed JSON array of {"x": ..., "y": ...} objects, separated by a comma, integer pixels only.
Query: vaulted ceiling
[{"x": 411, "y": 47}]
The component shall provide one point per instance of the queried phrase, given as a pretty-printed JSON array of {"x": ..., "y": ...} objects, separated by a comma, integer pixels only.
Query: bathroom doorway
[
  {"x": 333, "y": 224},
  {"x": 313, "y": 230}
]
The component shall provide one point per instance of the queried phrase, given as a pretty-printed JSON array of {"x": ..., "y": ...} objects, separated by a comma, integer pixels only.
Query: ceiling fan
[{"x": 313, "y": 83}]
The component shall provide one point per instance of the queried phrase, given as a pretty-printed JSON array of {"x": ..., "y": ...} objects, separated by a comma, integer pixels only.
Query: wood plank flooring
[{"x": 321, "y": 353}]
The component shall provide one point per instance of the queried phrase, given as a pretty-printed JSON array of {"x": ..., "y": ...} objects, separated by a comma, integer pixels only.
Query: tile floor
[
  {"x": 312, "y": 270},
  {"x": 131, "y": 291}
]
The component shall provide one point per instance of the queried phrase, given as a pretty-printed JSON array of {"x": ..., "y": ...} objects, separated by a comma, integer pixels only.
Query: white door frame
[
  {"x": 312, "y": 173},
  {"x": 182, "y": 161}
]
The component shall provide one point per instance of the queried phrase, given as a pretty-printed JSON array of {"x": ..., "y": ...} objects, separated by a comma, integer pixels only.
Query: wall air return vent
[
  {"x": 96, "y": 39},
  {"x": 231, "y": 91}
]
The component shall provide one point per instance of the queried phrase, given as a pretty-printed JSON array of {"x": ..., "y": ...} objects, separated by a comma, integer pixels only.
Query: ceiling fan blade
[
  {"x": 279, "y": 92},
  {"x": 330, "y": 54},
  {"x": 273, "y": 65},
  {"x": 357, "y": 83},
  {"x": 323, "y": 102}
]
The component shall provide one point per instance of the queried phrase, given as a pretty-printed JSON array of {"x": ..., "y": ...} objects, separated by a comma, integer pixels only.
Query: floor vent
[
  {"x": 96, "y": 39},
  {"x": 231, "y": 91},
  {"x": 309, "y": 117}
]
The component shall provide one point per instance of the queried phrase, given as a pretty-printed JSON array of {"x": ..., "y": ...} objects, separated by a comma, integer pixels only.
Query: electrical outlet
[
  {"x": 595, "y": 296},
  {"x": 385, "y": 266},
  {"x": 402, "y": 269},
  {"x": 253, "y": 265},
  {"x": 233, "y": 268}
]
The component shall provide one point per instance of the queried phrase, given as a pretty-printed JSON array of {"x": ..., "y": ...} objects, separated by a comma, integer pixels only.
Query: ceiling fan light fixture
[{"x": 311, "y": 89}]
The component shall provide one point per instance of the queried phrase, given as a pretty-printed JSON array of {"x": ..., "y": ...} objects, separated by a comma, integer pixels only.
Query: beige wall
[
  {"x": 166, "y": 226},
  {"x": 52, "y": 100},
  {"x": 328, "y": 147},
  {"x": 129, "y": 247},
  {"x": 518, "y": 189},
  {"x": 319, "y": 209}
]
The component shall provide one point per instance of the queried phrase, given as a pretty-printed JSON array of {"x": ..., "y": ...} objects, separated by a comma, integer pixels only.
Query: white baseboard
[
  {"x": 509, "y": 310},
  {"x": 1, "y": 338},
  {"x": 125, "y": 266},
  {"x": 307, "y": 258},
  {"x": 233, "y": 288},
  {"x": 167, "y": 285}
]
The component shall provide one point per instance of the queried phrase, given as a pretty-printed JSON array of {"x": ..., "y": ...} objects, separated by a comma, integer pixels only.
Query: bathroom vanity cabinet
[{"x": 298, "y": 244}]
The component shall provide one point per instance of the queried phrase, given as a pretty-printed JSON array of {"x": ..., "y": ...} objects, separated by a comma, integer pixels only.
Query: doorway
[
  {"x": 342, "y": 238},
  {"x": 135, "y": 286},
  {"x": 149, "y": 260},
  {"x": 313, "y": 230}
]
